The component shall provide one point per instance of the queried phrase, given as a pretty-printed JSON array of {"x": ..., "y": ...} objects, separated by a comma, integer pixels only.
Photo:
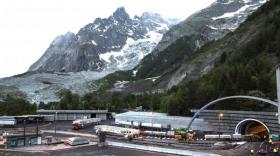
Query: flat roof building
[
  {"x": 14, "y": 120},
  {"x": 18, "y": 139},
  {"x": 160, "y": 120},
  {"x": 75, "y": 114}
]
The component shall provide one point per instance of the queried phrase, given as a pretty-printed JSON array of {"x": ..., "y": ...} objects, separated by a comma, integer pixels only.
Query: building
[
  {"x": 241, "y": 122},
  {"x": 75, "y": 114},
  {"x": 8, "y": 121},
  {"x": 160, "y": 120},
  {"x": 17, "y": 139},
  {"x": 14, "y": 120}
]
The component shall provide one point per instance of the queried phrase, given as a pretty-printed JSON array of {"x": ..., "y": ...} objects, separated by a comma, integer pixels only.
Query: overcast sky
[{"x": 27, "y": 27}]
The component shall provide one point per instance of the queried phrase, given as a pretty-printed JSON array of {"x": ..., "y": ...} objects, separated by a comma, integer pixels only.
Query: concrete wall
[{"x": 230, "y": 119}]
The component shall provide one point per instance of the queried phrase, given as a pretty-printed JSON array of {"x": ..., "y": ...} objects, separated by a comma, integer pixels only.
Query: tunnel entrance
[{"x": 252, "y": 127}]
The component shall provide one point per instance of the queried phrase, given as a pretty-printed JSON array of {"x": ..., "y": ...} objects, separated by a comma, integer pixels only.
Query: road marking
[
  {"x": 70, "y": 133},
  {"x": 159, "y": 149}
]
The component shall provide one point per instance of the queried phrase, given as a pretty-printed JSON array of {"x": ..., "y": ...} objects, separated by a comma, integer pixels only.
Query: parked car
[
  {"x": 276, "y": 143},
  {"x": 76, "y": 141},
  {"x": 223, "y": 145},
  {"x": 262, "y": 152}
]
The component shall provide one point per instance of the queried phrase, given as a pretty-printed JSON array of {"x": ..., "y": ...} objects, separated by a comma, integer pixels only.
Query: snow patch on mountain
[
  {"x": 153, "y": 78},
  {"x": 133, "y": 51},
  {"x": 232, "y": 14},
  {"x": 228, "y": 2},
  {"x": 93, "y": 42},
  {"x": 211, "y": 27},
  {"x": 120, "y": 84},
  {"x": 235, "y": 16},
  {"x": 134, "y": 72}
]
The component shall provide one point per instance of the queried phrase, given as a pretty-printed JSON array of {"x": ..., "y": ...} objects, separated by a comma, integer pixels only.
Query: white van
[{"x": 76, "y": 141}]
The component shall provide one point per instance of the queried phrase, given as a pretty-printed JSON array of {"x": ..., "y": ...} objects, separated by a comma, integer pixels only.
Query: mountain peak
[
  {"x": 121, "y": 14},
  {"x": 69, "y": 36},
  {"x": 120, "y": 9},
  {"x": 105, "y": 44}
]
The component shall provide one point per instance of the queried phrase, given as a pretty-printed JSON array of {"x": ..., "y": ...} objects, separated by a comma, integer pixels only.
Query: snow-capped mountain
[
  {"x": 235, "y": 15},
  {"x": 74, "y": 61},
  {"x": 114, "y": 43},
  {"x": 209, "y": 24},
  {"x": 213, "y": 22}
]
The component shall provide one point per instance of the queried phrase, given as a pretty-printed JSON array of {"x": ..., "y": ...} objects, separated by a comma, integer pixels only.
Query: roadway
[
  {"x": 64, "y": 129},
  {"x": 244, "y": 150},
  {"x": 84, "y": 151}
]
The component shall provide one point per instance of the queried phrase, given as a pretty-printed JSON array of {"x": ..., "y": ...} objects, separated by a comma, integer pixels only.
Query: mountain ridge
[
  {"x": 171, "y": 66},
  {"x": 43, "y": 85},
  {"x": 206, "y": 25},
  {"x": 73, "y": 61},
  {"x": 241, "y": 63},
  {"x": 82, "y": 51}
]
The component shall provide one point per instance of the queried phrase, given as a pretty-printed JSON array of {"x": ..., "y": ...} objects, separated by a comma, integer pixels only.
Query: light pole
[
  {"x": 37, "y": 127},
  {"x": 220, "y": 117},
  {"x": 55, "y": 124},
  {"x": 152, "y": 124},
  {"x": 24, "y": 131},
  {"x": 278, "y": 90}
]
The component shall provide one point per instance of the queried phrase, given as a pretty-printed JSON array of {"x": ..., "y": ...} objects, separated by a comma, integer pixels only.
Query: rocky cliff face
[
  {"x": 114, "y": 43},
  {"x": 220, "y": 24},
  {"x": 209, "y": 24},
  {"x": 213, "y": 22},
  {"x": 75, "y": 61}
]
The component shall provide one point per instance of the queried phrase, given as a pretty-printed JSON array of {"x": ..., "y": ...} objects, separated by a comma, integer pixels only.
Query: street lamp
[
  {"x": 37, "y": 127},
  {"x": 220, "y": 117},
  {"x": 24, "y": 131},
  {"x": 55, "y": 124},
  {"x": 152, "y": 124}
]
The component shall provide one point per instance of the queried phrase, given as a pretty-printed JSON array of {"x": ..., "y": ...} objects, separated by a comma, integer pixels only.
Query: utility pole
[
  {"x": 37, "y": 128},
  {"x": 278, "y": 90},
  {"x": 55, "y": 124},
  {"x": 24, "y": 136},
  {"x": 152, "y": 115},
  {"x": 220, "y": 117}
]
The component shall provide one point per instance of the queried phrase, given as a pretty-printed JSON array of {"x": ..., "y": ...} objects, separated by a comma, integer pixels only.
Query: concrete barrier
[{"x": 159, "y": 149}]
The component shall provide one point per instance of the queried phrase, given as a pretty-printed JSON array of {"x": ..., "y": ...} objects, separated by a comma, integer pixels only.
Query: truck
[
  {"x": 8, "y": 121},
  {"x": 82, "y": 123}
]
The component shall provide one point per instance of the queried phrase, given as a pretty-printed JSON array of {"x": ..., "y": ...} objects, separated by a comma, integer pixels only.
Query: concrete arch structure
[
  {"x": 227, "y": 98},
  {"x": 240, "y": 124}
]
